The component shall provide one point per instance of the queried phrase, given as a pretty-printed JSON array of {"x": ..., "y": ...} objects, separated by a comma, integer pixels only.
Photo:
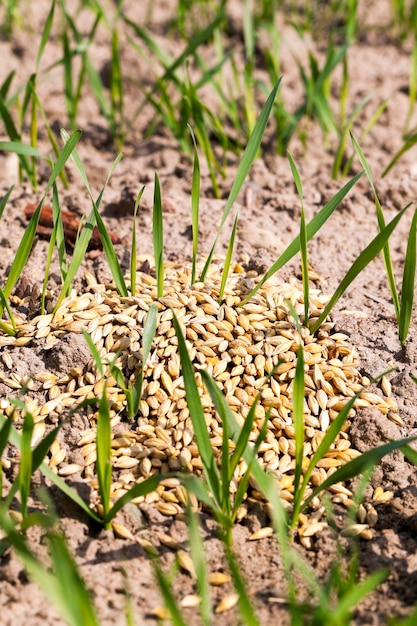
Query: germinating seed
[{"x": 239, "y": 346}]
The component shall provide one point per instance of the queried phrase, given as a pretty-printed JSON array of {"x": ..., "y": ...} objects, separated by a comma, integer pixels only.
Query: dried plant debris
[{"x": 238, "y": 345}]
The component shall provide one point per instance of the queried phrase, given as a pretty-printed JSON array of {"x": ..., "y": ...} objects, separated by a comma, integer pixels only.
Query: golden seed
[
  {"x": 382, "y": 497},
  {"x": 218, "y": 578},
  {"x": 262, "y": 533},
  {"x": 186, "y": 562},
  {"x": 190, "y": 601},
  {"x": 353, "y": 530},
  {"x": 69, "y": 470},
  {"x": 227, "y": 603}
]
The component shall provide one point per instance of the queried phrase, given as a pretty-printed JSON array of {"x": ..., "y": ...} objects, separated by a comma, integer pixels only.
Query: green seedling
[
  {"x": 158, "y": 237},
  {"x": 9, "y": 329},
  {"x": 303, "y": 240},
  {"x": 217, "y": 482},
  {"x": 402, "y": 305},
  {"x": 133, "y": 256},
  {"x": 103, "y": 442},
  {"x": 58, "y": 238},
  {"x": 72, "y": 89},
  {"x": 200, "y": 565},
  {"x": 311, "y": 229},
  {"x": 228, "y": 260},
  {"x": 363, "y": 260},
  {"x": 82, "y": 243},
  {"x": 195, "y": 204},
  {"x": 26, "y": 243},
  {"x": 133, "y": 391},
  {"x": 245, "y": 164},
  {"x": 76, "y": 608}
]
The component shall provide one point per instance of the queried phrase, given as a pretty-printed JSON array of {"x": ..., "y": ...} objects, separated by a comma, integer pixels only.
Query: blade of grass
[
  {"x": 85, "y": 235},
  {"x": 195, "y": 203},
  {"x": 361, "y": 262},
  {"x": 246, "y": 609},
  {"x": 200, "y": 566},
  {"x": 298, "y": 413},
  {"x": 158, "y": 237},
  {"x": 167, "y": 594},
  {"x": 311, "y": 229},
  {"x": 25, "y": 469},
  {"x": 358, "y": 465},
  {"x": 75, "y": 607},
  {"x": 303, "y": 240},
  {"x": 9, "y": 330},
  {"x": 133, "y": 246},
  {"x": 228, "y": 260},
  {"x": 26, "y": 243},
  {"x": 247, "y": 159},
  {"x": 5, "y": 198},
  {"x": 15, "y": 438},
  {"x": 197, "y": 417},
  {"x": 103, "y": 465},
  {"x": 407, "y": 291},
  {"x": 410, "y": 141},
  {"x": 149, "y": 329},
  {"x": 381, "y": 224}
]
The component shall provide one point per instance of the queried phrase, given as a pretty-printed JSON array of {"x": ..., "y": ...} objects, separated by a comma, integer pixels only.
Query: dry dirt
[{"x": 268, "y": 220}]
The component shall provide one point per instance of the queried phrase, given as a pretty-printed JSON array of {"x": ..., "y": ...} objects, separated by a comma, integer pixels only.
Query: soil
[{"x": 269, "y": 217}]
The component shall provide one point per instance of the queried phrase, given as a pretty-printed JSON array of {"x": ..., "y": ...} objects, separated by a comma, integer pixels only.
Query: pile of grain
[{"x": 238, "y": 345}]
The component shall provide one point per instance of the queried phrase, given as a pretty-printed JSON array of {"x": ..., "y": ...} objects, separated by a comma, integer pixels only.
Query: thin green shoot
[
  {"x": 85, "y": 235},
  {"x": 347, "y": 167},
  {"x": 246, "y": 608},
  {"x": 73, "y": 91},
  {"x": 165, "y": 588},
  {"x": 5, "y": 198},
  {"x": 4, "y": 439},
  {"x": 38, "y": 455},
  {"x": 298, "y": 409},
  {"x": 303, "y": 241},
  {"x": 133, "y": 255},
  {"x": 4, "y": 326},
  {"x": 409, "y": 275},
  {"x": 76, "y": 608},
  {"x": 229, "y": 461},
  {"x": 311, "y": 229},
  {"x": 25, "y": 246},
  {"x": 359, "y": 465},
  {"x": 381, "y": 224},
  {"x": 245, "y": 164},
  {"x": 25, "y": 468},
  {"x": 116, "y": 91},
  {"x": 30, "y": 459},
  {"x": 133, "y": 391},
  {"x": 158, "y": 237},
  {"x": 195, "y": 204},
  {"x": 200, "y": 565},
  {"x": 228, "y": 260},
  {"x": 202, "y": 116},
  {"x": 363, "y": 260},
  {"x": 103, "y": 464},
  {"x": 410, "y": 141},
  {"x": 208, "y": 460},
  {"x": 57, "y": 225},
  {"x": 345, "y": 130}
]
